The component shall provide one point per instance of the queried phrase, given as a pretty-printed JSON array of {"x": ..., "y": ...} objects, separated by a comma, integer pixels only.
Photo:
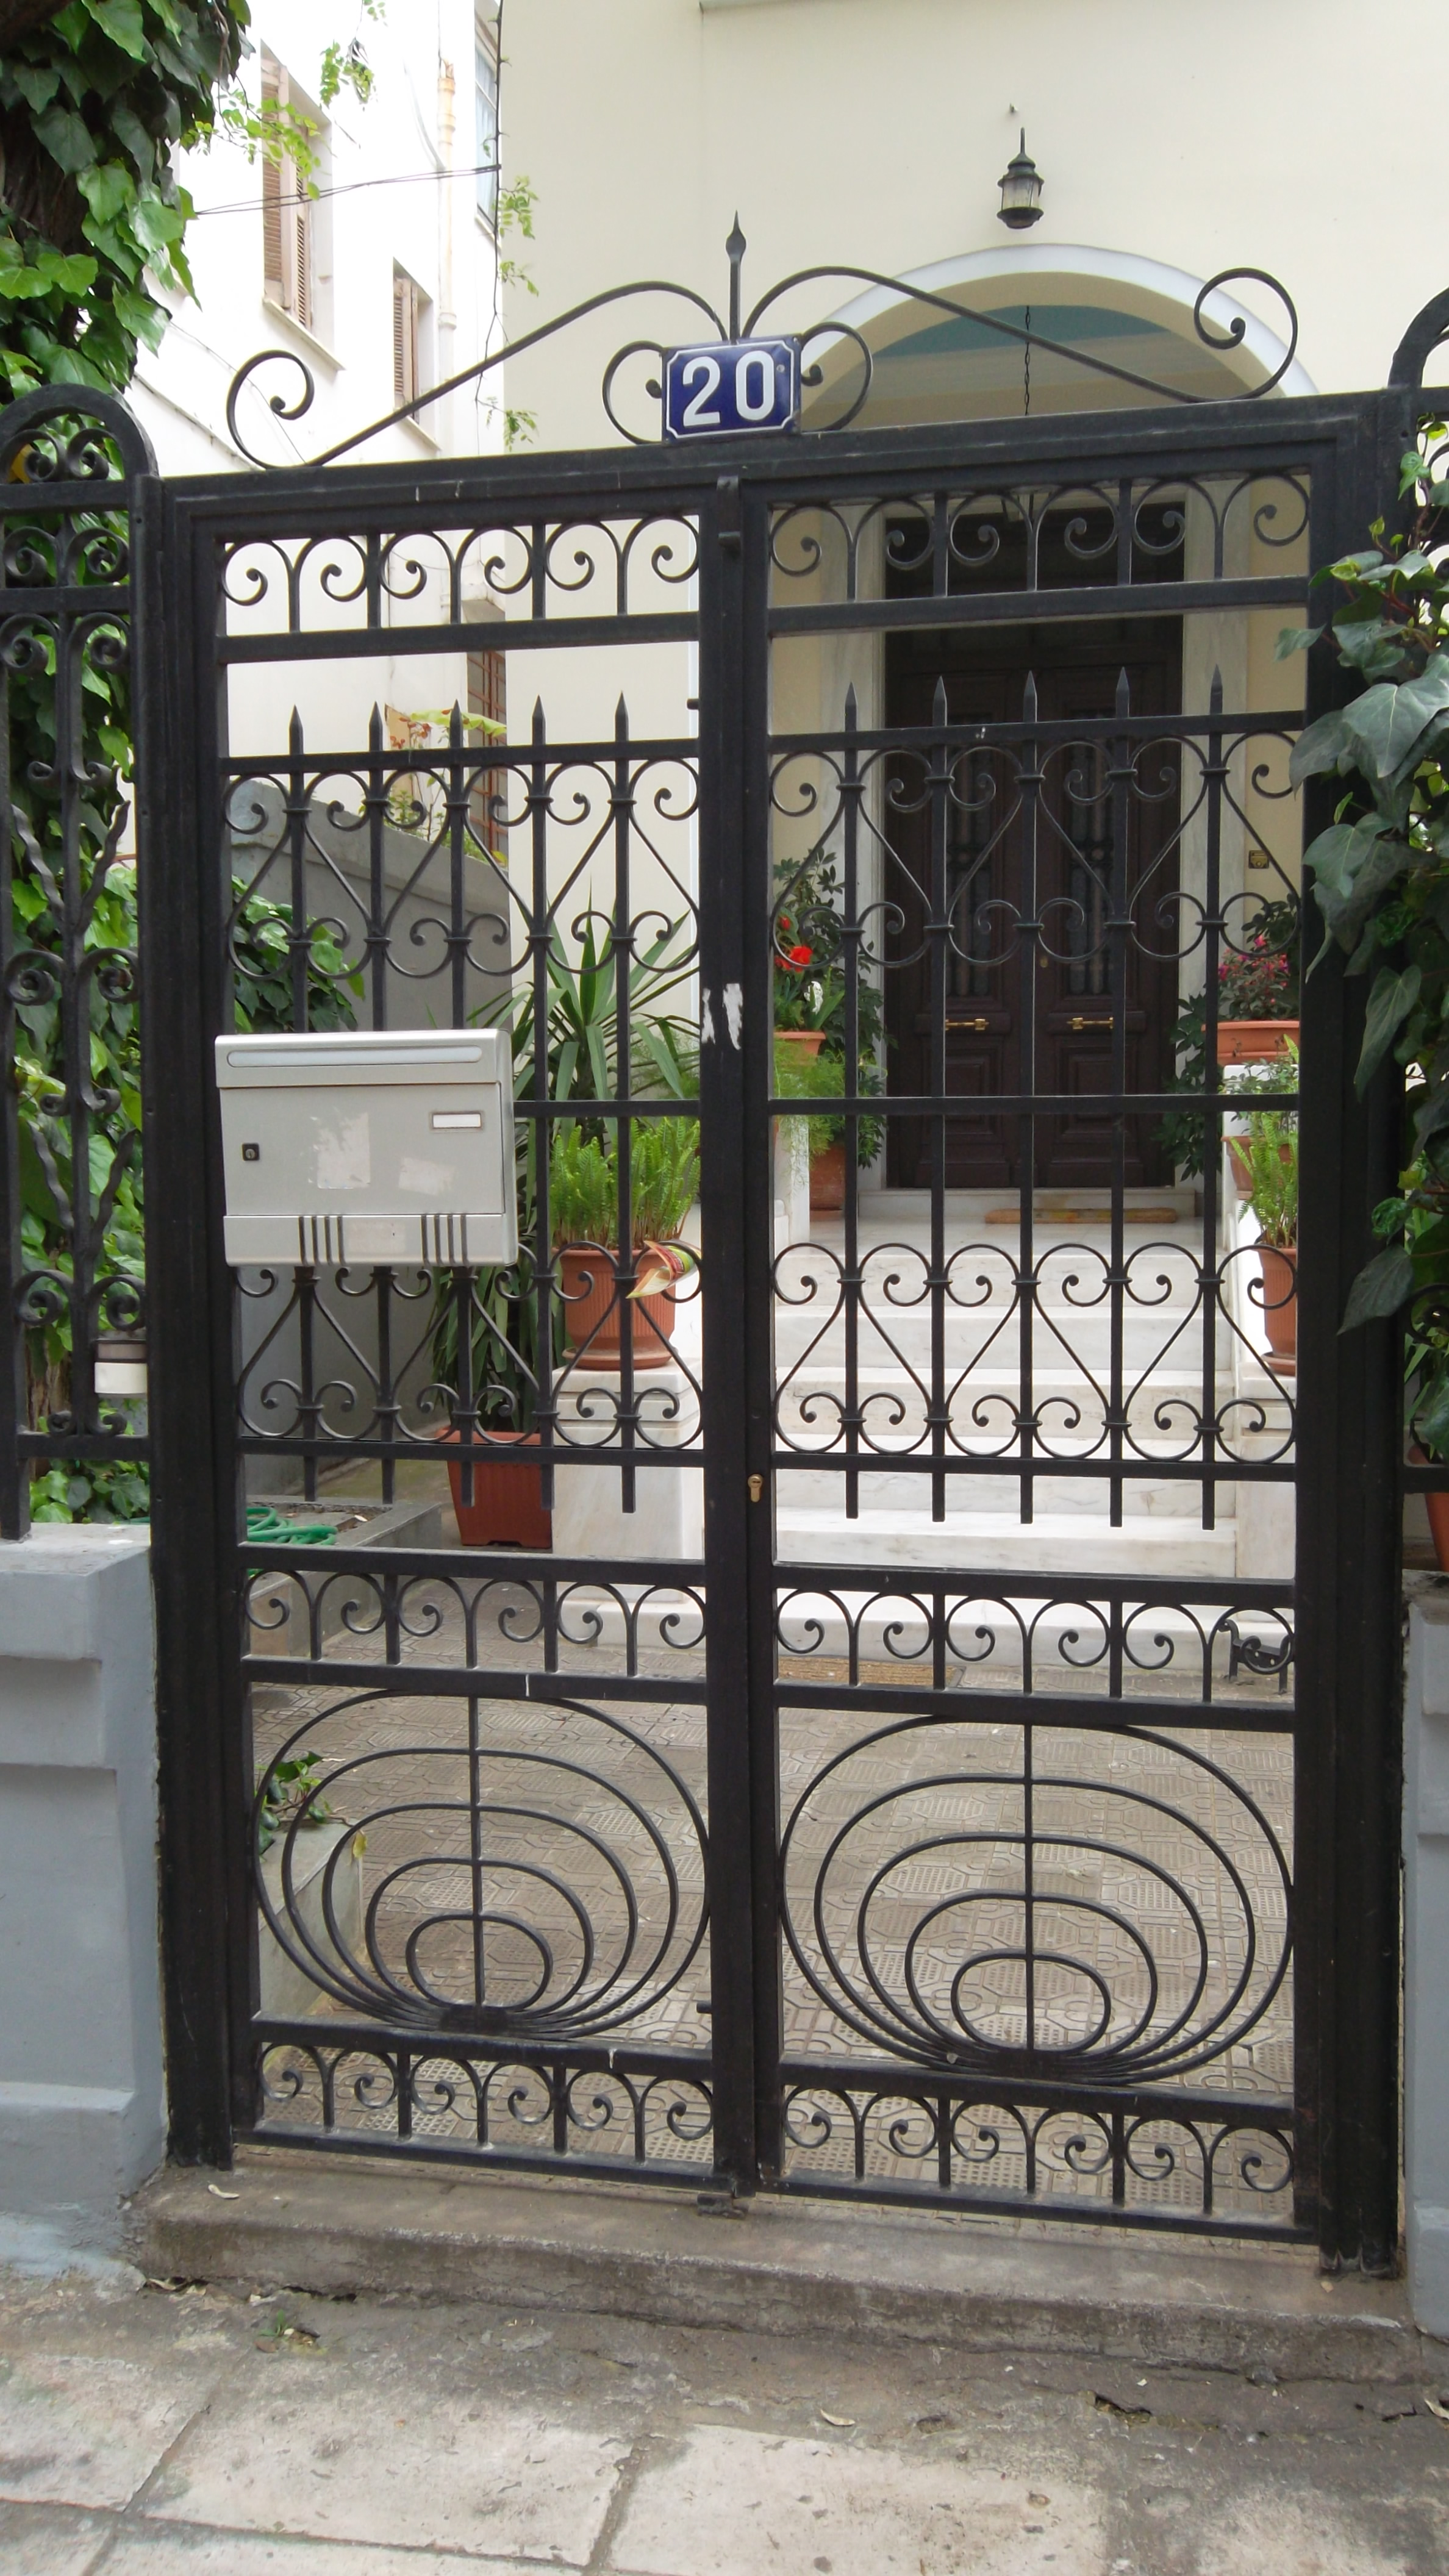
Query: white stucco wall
[
  {"x": 874, "y": 131},
  {"x": 394, "y": 198}
]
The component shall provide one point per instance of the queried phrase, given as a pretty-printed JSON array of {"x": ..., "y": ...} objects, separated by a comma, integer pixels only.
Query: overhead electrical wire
[{"x": 348, "y": 187}]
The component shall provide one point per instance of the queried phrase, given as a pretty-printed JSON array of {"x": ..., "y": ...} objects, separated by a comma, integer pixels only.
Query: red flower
[{"x": 800, "y": 956}]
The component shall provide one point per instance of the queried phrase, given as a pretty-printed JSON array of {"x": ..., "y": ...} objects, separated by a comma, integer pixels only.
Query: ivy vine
[{"x": 1381, "y": 877}]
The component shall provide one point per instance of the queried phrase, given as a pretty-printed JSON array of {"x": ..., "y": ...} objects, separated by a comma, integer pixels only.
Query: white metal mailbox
[{"x": 361, "y": 1146}]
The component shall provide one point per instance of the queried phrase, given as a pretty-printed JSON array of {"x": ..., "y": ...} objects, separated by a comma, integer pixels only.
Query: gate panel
[
  {"x": 473, "y": 1787},
  {"x": 1033, "y": 1442},
  {"x": 896, "y": 1784}
]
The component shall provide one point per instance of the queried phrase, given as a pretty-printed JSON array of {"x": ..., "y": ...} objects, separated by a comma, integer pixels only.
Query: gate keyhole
[{"x": 756, "y": 1486}]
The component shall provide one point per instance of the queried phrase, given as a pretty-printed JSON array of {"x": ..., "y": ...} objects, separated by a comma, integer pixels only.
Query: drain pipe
[{"x": 447, "y": 312}]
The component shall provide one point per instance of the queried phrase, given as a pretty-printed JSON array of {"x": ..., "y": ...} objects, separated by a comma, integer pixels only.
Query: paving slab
[
  {"x": 721, "y": 2499},
  {"x": 37, "y": 2540},
  {"x": 146, "y": 2551},
  {"x": 406, "y": 2436},
  {"x": 85, "y": 2428},
  {"x": 332, "y": 2453},
  {"x": 338, "y": 2223}
]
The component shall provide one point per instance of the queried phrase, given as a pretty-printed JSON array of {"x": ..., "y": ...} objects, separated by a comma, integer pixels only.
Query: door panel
[{"x": 1072, "y": 673}]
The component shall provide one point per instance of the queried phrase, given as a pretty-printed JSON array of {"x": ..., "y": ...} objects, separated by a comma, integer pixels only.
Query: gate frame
[{"x": 1346, "y": 1734}]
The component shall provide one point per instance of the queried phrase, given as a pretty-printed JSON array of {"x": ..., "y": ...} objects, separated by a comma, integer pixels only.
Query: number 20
[{"x": 749, "y": 407}]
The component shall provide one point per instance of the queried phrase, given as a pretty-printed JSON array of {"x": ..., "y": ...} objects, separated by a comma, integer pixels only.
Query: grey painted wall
[{"x": 82, "y": 2116}]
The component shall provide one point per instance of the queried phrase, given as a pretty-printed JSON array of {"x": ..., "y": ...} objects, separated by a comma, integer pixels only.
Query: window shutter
[
  {"x": 404, "y": 338},
  {"x": 302, "y": 271},
  {"x": 401, "y": 390},
  {"x": 273, "y": 265},
  {"x": 287, "y": 244},
  {"x": 488, "y": 696}
]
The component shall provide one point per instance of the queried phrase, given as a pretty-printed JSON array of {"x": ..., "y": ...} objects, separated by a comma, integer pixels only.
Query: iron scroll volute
[{"x": 1426, "y": 333}]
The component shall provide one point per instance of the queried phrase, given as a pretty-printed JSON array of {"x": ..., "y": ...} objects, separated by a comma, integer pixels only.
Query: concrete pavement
[{"x": 150, "y": 2431}]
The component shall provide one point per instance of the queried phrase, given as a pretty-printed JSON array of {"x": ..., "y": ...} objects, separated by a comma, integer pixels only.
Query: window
[
  {"x": 488, "y": 696},
  {"x": 289, "y": 215},
  {"x": 407, "y": 302},
  {"x": 485, "y": 88}
]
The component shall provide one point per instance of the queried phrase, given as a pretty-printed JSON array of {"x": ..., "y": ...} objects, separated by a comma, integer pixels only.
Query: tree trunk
[{"x": 20, "y": 17}]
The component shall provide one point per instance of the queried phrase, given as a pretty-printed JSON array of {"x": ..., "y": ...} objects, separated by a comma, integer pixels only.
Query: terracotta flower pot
[
  {"x": 507, "y": 1506},
  {"x": 1255, "y": 1041},
  {"x": 1437, "y": 1507},
  {"x": 591, "y": 1305},
  {"x": 808, "y": 1041},
  {"x": 1280, "y": 1304},
  {"x": 827, "y": 1182}
]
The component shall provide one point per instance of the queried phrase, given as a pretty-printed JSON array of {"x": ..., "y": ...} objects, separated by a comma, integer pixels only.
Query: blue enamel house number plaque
[{"x": 724, "y": 385}]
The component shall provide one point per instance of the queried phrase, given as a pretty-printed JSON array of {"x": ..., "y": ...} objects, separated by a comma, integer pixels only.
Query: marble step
[
  {"x": 1072, "y": 1543},
  {"x": 819, "y": 1492}
]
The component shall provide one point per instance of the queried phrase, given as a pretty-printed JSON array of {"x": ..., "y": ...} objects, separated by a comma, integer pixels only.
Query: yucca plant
[{"x": 580, "y": 1063}]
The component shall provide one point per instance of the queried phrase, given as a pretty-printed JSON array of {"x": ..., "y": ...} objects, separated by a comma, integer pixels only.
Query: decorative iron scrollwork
[{"x": 834, "y": 328}]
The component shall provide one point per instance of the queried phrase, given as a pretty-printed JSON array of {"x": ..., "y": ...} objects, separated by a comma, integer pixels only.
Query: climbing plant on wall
[
  {"x": 97, "y": 100},
  {"x": 1381, "y": 876}
]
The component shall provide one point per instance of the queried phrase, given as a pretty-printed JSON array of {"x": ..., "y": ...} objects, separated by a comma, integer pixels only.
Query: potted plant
[
  {"x": 811, "y": 999},
  {"x": 497, "y": 1497},
  {"x": 1258, "y": 990},
  {"x": 1256, "y": 1082},
  {"x": 1270, "y": 1152},
  {"x": 821, "y": 1078},
  {"x": 580, "y": 1051},
  {"x": 584, "y": 1211}
]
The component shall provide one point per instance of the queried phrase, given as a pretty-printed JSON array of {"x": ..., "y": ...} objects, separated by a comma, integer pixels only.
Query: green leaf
[
  {"x": 122, "y": 21},
  {"x": 36, "y": 82},
  {"x": 1338, "y": 854},
  {"x": 1321, "y": 747},
  {"x": 1433, "y": 1117},
  {"x": 132, "y": 136},
  {"x": 74, "y": 272},
  {"x": 108, "y": 190},
  {"x": 1391, "y": 999},
  {"x": 1347, "y": 898},
  {"x": 68, "y": 140},
  {"x": 1374, "y": 646},
  {"x": 1431, "y": 1416},
  {"x": 1380, "y": 727},
  {"x": 1383, "y": 1285},
  {"x": 1294, "y": 639},
  {"x": 157, "y": 225}
]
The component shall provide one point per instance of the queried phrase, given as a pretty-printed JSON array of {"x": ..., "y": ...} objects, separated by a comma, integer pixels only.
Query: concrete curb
[{"x": 329, "y": 2224}]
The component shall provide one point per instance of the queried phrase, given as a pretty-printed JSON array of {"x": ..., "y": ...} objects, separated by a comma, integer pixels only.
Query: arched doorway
[{"x": 1050, "y": 330}]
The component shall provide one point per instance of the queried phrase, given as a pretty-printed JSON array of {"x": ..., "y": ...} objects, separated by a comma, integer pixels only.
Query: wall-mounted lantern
[{"x": 1020, "y": 185}]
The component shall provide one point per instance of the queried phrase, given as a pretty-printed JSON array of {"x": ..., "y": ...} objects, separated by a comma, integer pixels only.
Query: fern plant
[{"x": 663, "y": 1182}]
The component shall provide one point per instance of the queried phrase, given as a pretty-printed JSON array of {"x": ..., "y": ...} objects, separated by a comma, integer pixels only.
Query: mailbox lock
[{"x": 251, "y": 1153}]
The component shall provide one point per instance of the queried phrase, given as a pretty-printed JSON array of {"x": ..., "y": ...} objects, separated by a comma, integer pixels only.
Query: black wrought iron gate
[{"x": 895, "y": 1761}]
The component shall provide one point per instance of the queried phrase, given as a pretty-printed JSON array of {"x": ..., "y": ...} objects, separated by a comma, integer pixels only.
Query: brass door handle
[
  {"x": 953, "y": 1023},
  {"x": 1092, "y": 1024}
]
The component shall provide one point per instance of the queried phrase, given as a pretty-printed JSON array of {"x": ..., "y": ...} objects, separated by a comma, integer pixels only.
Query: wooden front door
[{"x": 1077, "y": 672}]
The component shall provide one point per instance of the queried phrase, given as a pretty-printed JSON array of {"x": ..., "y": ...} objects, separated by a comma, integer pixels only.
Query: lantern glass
[{"x": 1020, "y": 185}]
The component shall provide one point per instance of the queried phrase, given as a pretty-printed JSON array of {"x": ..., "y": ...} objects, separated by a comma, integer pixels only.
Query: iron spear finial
[{"x": 735, "y": 250}]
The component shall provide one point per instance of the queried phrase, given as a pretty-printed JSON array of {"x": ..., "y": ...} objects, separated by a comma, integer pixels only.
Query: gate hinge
[{"x": 729, "y": 526}]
